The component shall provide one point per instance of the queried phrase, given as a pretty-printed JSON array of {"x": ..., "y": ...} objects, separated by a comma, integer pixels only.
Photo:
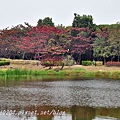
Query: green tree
[
  {"x": 46, "y": 21},
  {"x": 101, "y": 45},
  {"x": 114, "y": 39},
  {"x": 40, "y": 22},
  {"x": 83, "y": 21}
]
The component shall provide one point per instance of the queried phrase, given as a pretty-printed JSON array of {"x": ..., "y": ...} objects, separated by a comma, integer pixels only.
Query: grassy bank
[
  {"x": 75, "y": 73},
  {"x": 25, "y": 68}
]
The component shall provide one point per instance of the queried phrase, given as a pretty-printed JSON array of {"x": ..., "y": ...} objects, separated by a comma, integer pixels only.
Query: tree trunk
[
  {"x": 37, "y": 55},
  {"x": 62, "y": 66},
  {"x": 79, "y": 59},
  {"x": 104, "y": 61},
  {"x": 119, "y": 58},
  {"x": 23, "y": 55}
]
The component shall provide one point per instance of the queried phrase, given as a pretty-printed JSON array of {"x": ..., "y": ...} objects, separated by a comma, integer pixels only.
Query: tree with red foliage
[
  {"x": 8, "y": 40},
  {"x": 56, "y": 48},
  {"x": 45, "y": 42},
  {"x": 7, "y": 48},
  {"x": 12, "y": 37},
  {"x": 81, "y": 42}
]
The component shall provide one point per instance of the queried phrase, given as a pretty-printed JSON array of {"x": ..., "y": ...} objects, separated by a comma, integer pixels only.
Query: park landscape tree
[
  {"x": 107, "y": 42},
  {"x": 114, "y": 40},
  {"x": 10, "y": 37},
  {"x": 6, "y": 41},
  {"x": 82, "y": 33},
  {"x": 81, "y": 43},
  {"x": 101, "y": 45}
]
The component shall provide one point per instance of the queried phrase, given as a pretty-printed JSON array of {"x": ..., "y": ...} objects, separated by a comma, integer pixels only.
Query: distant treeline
[{"x": 83, "y": 40}]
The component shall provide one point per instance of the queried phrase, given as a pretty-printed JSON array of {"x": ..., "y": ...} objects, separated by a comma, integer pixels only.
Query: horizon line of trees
[{"x": 46, "y": 42}]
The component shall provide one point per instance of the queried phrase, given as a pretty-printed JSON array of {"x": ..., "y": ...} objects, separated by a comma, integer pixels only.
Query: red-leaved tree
[
  {"x": 45, "y": 42},
  {"x": 81, "y": 42}
]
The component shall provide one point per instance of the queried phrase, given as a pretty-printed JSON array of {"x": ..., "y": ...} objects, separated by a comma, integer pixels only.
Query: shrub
[
  {"x": 117, "y": 64},
  {"x": 2, "y": 63},
  {"x": 87, "y": 63},
  {"x": 58, "y": 63},
  {"x": 2, "y": 59},
  {"x": 47, "y": 63},
  {"x": 98, "y": 63}
]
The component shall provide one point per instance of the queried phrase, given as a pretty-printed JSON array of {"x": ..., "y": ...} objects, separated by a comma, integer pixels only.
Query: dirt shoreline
[{"x": 40, "y": 67}]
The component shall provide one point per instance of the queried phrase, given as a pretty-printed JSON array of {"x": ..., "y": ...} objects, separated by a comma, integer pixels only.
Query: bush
[
  {"x": 23, "y": 62},
  {"x": 87, "y": 63},
  {"x": 117, "y": 64},
  {"x": 58, "y": 63},
  {"x": 98, "y": 63},
  {"x": 47, "y": 63},
  {"x": 2, "y": 63},
  {"x": 2, "y": 59}
]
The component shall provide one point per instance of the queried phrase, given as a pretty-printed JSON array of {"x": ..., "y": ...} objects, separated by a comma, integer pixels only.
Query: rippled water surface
[{"x": 61, "y": 100}]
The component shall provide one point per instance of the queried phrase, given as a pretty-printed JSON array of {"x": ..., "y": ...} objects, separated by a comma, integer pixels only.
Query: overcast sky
[{"x": 14, "y": 12}]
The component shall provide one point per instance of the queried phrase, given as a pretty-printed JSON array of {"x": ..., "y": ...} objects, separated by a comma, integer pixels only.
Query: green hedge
[
  {"x": 87, "y": 63},
  {"x": 2, "y": 63}
]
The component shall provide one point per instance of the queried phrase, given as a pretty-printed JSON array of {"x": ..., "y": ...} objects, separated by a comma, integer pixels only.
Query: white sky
[{"x": 14, "y": 12}]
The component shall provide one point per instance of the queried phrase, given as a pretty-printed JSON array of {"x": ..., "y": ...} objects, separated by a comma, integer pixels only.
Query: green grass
[
  {"x": 79, "y": 69},
  {"x": 115, "y": 75},
  {"x": 77, "y": 72},
  {"x": 107, "y": 74}
]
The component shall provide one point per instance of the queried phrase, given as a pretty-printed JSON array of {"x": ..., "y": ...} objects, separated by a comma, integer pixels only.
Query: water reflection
[
  {"x": 60, "y": 100},
  {"x": 104, "y": 118},
  {"x": 60, "y": 113}
]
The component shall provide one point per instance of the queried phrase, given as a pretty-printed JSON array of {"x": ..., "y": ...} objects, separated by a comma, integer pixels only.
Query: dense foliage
[{"x": 51, "y": 44}]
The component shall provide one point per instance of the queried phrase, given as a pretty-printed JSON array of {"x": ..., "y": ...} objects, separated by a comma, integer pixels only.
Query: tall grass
[
  {"x": 78, "y": 72},
  {"x": 17, "y": 72},
  {"x": 27, "y": 72}
]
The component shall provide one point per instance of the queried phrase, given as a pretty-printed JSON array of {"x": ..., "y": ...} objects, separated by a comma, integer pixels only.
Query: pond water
[{"x": 60, "y": 100}]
